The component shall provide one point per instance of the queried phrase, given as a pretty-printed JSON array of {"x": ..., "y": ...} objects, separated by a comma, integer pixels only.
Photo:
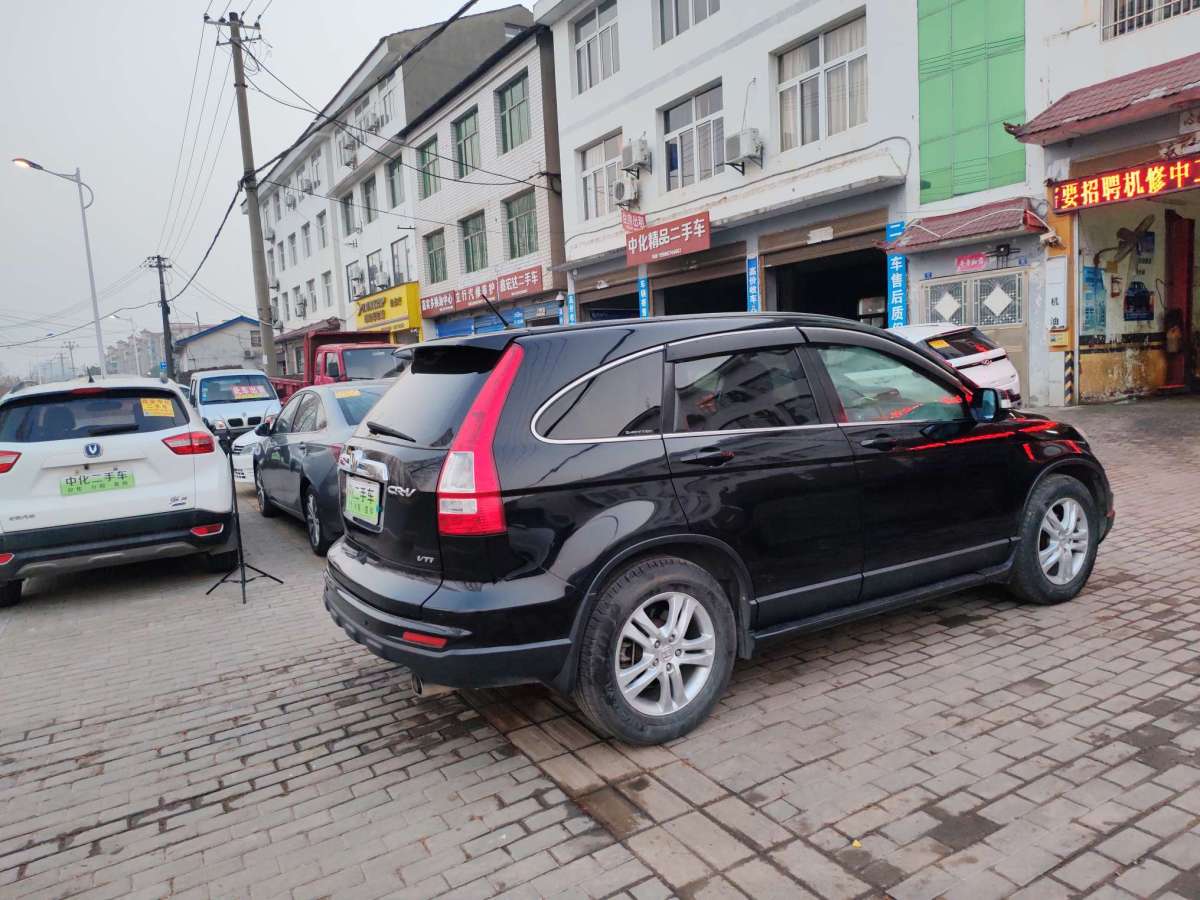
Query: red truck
[{"x": 339, "y": 356}]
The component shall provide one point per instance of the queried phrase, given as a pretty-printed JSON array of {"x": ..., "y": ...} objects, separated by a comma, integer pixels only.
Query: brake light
[
  {"x": 425, "y": 640},
  {"x": 5, "y": 559},
  {"x": 85, "y": 391},
  {"x": 191, "y": 443},
  {"x": 336, "y": 450},
  {"x": 8, "y": 459},
  {"x": 207, "y": 530},
  {"x": 468, "y": 491}
]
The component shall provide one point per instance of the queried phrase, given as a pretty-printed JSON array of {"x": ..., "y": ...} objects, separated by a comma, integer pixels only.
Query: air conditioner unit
[
  {"x": 307, "y": 185},
  {"x": 382, "y": 282},
  {"x": 373, "y": 122},
  {"x": 248, "y": 354},
  {"x": 745, "y": 146},
  {"x": 349, "y": 144},
  {"x": 274, "y": 285},
  {"x": 635, "y": 155},
  {"x": 625, "y": 190},
  {"x": 301, "y": 307},
  {"x": 352, "y": 162}
]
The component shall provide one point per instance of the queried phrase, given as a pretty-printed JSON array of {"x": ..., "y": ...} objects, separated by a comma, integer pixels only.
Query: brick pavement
[{"x": 154, "y": 742}]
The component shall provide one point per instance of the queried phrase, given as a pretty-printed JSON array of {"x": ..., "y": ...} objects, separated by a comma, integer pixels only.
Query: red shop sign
[
  {"x": 521, "y": 283},
  {"x": 1132, "y": 183},
  {"x": 632, "y": 221},
  {"x": 971, "y": 262},
  {"x": 474, "y": 296},
  {"x": 678, "y": 237},
  {"x": 438, "y": 304}
]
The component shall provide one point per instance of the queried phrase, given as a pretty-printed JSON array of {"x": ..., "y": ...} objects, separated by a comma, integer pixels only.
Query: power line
[
  {"x": 88, "y": 324},
  {"x": 212, "y": 243},
  {"x": 183, "y": 137},
  {"x": 118, "y": 284}
]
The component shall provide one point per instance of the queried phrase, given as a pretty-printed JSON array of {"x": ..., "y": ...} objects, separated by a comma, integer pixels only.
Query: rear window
[
  {"x": 433, "y": 392},
  {"x": 355, "y": 403},
  {"x": 961, "y": 343},
  {"x": 235, "y": 388},
  {"x": 63, "y": 417},
  {"x": 369, "y": 363},
  {"x": 624, "y": 401}
]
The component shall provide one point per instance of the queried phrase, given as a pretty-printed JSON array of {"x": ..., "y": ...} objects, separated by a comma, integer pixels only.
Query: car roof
[
  {"x": 347, "y": 385},
  {"x": 925, "y": 332},
  {"x": 212, "y": 373},
  {"x": 110, "y": 382}
]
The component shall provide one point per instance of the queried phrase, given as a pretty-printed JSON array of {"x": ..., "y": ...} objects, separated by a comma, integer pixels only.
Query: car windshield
[
  {"x": 958, "y": 344},
  {"x": 371, "y": 362},
  {"x": 61, "y": 417},
  {"x": 355, "y": 403},
  {"x": 235, "y": 388}
]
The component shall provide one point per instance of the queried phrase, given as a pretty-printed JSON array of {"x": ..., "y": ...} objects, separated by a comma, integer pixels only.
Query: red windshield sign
[
  {"x": 1133, "y": 183},
  {"x": 675, "y": 238}
]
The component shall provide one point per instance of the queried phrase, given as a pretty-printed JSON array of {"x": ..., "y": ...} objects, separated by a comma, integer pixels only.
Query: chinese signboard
[
  {"x": 1133, "y": 183},
  {"x": 521, "y": 283},
  {"x": 571, "y": 311},
  {"x": 753, "y": 299},
  {"x": 476, "y": 295},
  {"x": 644, "y": 298},
  {"x": 1057, "y": 337},
  {"x": 897, "y": 279},
  {"x": 396, "y": 307},
  {"x": 675, "y": 238},
  {"x": 971, "y": 262},
  {"x": 438, "y": 304},
  {"x": 632, "y": 221}
]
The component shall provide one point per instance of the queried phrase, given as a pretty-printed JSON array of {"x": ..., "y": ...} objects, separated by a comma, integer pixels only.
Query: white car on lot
[
  {"x": 971, "y": 352},
  {"x": 101, "y": 474},
  {"x": 243, "y": 456},
  {"x": 233, "y": 400}
]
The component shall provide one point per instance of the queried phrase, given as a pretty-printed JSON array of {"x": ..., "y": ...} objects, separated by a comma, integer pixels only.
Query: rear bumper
[{"x": 73, "y": 548}]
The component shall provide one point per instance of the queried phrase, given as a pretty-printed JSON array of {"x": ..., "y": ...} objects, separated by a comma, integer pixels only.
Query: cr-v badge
[{"x": 396, "y": 491}]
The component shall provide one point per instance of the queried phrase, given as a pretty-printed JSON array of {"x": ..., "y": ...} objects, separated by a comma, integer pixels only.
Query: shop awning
[
  {"x": 1003, "y": 218},
  {"x": 1159, "y": 90}
]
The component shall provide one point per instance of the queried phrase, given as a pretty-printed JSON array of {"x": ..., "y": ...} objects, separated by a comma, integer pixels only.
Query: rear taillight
[
  {"x": 208, "y": 530},
  {"x": 8, "y": 459},
  {"x": 191, "y": 443},
  {"x": 336, "y": 450},
  {"x": 468, "y": 491},
  {"x": 425, "y": 640},
  {"x": 5, "y": 559}
]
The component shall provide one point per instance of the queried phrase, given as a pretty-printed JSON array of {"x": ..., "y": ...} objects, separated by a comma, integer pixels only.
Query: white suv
[{"x": 101, "y": 474}]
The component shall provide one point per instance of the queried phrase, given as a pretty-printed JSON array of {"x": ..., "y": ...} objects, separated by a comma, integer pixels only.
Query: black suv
[{"x": 619, "y": 509}]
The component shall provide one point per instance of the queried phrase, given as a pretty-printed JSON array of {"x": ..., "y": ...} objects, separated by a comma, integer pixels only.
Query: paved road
[{"x": 156, "y": 742}]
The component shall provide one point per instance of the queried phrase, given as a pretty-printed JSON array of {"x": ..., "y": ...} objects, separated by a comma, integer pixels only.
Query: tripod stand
[{"x": 226, "y": 442}]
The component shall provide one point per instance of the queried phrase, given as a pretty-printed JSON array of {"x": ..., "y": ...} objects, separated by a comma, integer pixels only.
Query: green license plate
[
  {"x": 95, "y": 482},
  {"x": 362, "y": 500}
]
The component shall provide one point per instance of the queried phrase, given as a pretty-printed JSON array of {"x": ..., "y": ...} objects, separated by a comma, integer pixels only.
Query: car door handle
[
  {"x": 707, "y": 456},
  {"x": 879, "y": 442}
]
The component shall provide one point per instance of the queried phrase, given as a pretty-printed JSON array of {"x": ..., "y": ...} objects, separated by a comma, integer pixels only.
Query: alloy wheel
[
  {"x": 1063, "y": 541},
  {"x": 259, "y": 491},
  {"x": 665, "y": 653},
  {"x": 312, "y": 520}
]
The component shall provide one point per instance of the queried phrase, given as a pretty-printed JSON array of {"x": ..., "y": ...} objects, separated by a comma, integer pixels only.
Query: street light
[
  {"x": 137, "y": 358},
  {"x": 22, "y": 163}
]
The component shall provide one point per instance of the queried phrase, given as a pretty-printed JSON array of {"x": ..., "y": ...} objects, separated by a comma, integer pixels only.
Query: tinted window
[
  {"x": 306, "y": 418},
  {"x": 377, "y": 362},
  {"x": 433, "y": 392},
  {"x": 875, "y": 387},
  {"x": 284, "y": 423},
  {"x": 753, "y": 389},
  {"x": 961, "y": 343},
  {"x": 355, "y": 403},
  {"x": 60, "y": 417},
  {"x": 235, "y": 388},
  {"x": 623, "y": 401}
]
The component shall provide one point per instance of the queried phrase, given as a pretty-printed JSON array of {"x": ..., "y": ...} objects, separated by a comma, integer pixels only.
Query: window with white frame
[
  {"x": 677, "y": 16},
  {"x": 355, "y": 284},
  {"x": 298, "y": 303},
  {"x": 600, "y": 164},
  {"x": 427, "y": 163},
  {"x": 282, "y": 259},
  {"x": 349, "y": 221},
  {"x": 292, "y": 249},
  {"x": 466, "y": 143},
  {"x": 306, "y": 239},
  {"x": 264, "y": 213},
  {"x": 435, "y": 257},
  {"x": 322, "y": 230},
  {"x": 514, "y": 113},
  {"x": 327, "y": 288},
  {"x": 311, "y": 300},
  {"x": 520, "y": 214},
  {"x": 474, "y": 242},
  {"x": 695, "y": 139},
  {"x": 370, "y": 208},
  {"x": 395, "y": 181},
  {"x": 1124, "y": 16},
  {"x": 271, "y": 264},
  {"x": 987, "y": 299},
  {"x": 597, "y": 54},
  {"x": 314, "y": 168},
  {"x": 275, "y": 205},
  {"x": 401, "y": 261},
  {"x": 376, "y": 273},
  {"x": 829, "y": 71}
]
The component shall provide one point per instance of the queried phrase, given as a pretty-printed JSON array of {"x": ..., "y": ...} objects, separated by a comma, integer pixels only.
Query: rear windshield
[
  {"x": 235, "y": 388},
  {"x": 433, "y": 392},
  {"x": 62, "y": 417},
  {"x": 961, "y": 343},
  {"x": 369, "y": 363},
  {"x": 356, "y": 402}
]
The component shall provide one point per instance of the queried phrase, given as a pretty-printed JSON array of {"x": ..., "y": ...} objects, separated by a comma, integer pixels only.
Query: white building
[
  {"x": 487, "y": 199},
  {"x": 142, "y": 352},
  {"x": 235, "y": 343},
  {"x": 330, "y": 208}
]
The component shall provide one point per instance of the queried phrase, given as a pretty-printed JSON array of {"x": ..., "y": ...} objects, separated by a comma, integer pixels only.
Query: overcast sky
[{"x": 104, "y": 85}]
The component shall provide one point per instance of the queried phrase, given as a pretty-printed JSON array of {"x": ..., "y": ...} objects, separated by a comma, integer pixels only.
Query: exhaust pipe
[{"x": 425, "y": 691}]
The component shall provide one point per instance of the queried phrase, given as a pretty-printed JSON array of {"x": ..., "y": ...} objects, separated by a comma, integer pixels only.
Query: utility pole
[
  {"x": 250, "y": 183},
  {"x": 70, "y": 346},
  {"x": 158, "y": 262}
]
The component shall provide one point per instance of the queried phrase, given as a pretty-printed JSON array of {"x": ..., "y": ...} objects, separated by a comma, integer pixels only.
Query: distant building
[
  {"x": 233, "y": 343},
  {"x": 141, "y": 353}
]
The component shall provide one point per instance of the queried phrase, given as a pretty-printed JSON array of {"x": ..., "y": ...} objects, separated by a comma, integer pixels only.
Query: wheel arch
[{"x": 1082, "y": 470}]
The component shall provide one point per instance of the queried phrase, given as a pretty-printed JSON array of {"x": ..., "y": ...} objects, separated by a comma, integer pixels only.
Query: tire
[
  {"x": 10, "y": 593},
  {"x": 266, "y": 508},
  {"x": 221, "y": 562},
  {"x": 318, "y": 540},
  {"x": 1060, "y": 579},
  {"x": 643, "y": 714}
]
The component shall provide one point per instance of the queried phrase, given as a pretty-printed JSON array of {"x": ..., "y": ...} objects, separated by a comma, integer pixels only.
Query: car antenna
[{"x": 503, "y": 320}]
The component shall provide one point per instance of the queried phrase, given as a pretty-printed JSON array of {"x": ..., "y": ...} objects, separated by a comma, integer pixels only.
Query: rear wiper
[
  {"x": 112, "y": 429},
  {"x": 376, "y": 428}
]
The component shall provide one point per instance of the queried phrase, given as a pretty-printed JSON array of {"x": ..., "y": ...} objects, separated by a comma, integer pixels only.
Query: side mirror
[
  {"x": 985, "y": 405},
  {"x": 265, "y": 426}
]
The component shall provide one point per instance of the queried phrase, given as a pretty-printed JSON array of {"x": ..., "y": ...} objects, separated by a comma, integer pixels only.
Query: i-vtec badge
[{"x": 396, "y": 491}]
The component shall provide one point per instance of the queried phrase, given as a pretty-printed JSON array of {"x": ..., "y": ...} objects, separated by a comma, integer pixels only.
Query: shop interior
[
  {"x": 849, "y": 285},
  {"x": 716, "y": 295}
]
